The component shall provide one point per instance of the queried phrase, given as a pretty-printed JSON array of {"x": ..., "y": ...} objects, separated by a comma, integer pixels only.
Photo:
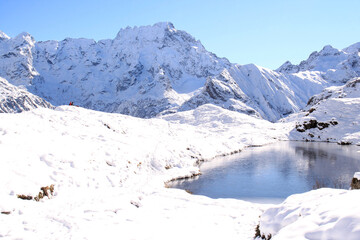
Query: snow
[
  {"x": 357, "y": 175},
  {"x": 354, "y": 48},
  {"x": 3, "y": 36},
  {"x": 320, "y": 214},
  {"x": 109, "y": 172},
  {"x": 343, "y": 126}
]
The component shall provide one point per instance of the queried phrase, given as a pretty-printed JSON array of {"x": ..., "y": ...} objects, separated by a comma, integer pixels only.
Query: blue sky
[{"x": 266, "y": 33}]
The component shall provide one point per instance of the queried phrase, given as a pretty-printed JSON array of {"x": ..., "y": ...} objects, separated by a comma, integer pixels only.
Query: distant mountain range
[{"x": 154, "y": 70}]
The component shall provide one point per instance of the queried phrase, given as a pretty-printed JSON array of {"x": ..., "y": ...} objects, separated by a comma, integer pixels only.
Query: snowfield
[{"x": 109, "y": 173}]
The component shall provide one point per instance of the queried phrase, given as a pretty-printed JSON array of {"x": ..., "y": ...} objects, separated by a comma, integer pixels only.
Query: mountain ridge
[{"x": 154, "y": 70}]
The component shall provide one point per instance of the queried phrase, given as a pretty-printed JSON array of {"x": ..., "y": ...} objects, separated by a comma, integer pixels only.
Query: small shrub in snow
[
  {"x": 257, "y": 232},
  {"x": 258, "y": 235},
  {"x": 39, "y": 196},
  {"x": 46, "y": 191},
  {"x": 188, "y": 191},
  {"x": 25, "y": 197}
]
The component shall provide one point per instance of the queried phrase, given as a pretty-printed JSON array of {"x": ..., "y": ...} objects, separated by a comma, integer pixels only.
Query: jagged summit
[
  {"x": 25, "y": 36},
  {"x": 150, "y": 31},
  {"x": 328, "y": 49},
  {"x": 3, "y": 36},
  {"x": 336, "y": 66},
  {"x": 288, "y": 67}
]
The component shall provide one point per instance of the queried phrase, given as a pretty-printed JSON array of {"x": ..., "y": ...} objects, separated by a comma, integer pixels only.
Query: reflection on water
[{"x": 272, "y": 173}]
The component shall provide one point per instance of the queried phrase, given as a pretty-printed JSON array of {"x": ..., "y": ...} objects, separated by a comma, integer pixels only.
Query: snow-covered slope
[
  {"x": 333, "y": 115},
  {"x": 108, "y": 172},
  {"x": 151, "y": 70},
  {"x": 14, "y": 99},
  {"x": 336, "y": 66},
  {"x": 320, "y": 214}
]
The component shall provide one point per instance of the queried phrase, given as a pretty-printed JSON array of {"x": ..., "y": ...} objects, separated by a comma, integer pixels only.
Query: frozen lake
[{"x": 273, "y": 172}]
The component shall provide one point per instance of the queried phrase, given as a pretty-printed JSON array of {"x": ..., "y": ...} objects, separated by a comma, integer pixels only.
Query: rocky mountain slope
[
  {"x": 14, "y": 99},
  {"x": 333, "y": 115},
  {"x": 152, "y": 70}
]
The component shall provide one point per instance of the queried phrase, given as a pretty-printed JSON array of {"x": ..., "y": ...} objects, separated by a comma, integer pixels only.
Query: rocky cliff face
[
  {"x": 16, "y": 58},
  {"x": 152, "y": 70}
]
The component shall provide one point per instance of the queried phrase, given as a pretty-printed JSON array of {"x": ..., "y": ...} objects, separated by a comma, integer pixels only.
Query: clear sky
[{"x": 266, "y": 33}]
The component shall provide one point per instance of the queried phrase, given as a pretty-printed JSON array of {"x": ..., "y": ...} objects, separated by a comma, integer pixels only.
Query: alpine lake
[{"x": 271, "y": 173}]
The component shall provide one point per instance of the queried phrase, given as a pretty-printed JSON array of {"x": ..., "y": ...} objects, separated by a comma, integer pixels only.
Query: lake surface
[{"x": 271, "y": 173}]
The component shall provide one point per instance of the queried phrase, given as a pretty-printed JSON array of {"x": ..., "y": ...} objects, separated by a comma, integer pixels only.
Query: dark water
[{"x": 273, "y": 172}]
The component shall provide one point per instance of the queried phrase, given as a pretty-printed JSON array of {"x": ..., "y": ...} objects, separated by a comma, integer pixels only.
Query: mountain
[
  {"x": 334, "y": 65},
  {"x": 14, "y": 99},
  {"x": 258, "y": 91},
  {"x": 155, "y": 70},
  {"x": 141, "y": 72}
]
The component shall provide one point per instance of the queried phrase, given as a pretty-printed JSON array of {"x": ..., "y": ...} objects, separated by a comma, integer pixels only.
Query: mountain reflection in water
[{"x": 273, "y": 172}]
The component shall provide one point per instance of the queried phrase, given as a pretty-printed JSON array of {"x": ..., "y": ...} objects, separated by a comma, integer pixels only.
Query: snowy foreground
[{"x": 109, "y": 173}]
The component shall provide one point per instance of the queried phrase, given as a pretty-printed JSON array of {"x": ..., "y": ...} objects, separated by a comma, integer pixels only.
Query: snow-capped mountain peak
[
  {"x": 329, "y": 50},
  {"x": 336, "y": 66},
  {"x": 24, "y": 38},
  {"x": 16, "y": 59},
  {"x": 3, "y": 36},
  {"x": 352, "y": 49},
  {"x": 159, "y": 33}
]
